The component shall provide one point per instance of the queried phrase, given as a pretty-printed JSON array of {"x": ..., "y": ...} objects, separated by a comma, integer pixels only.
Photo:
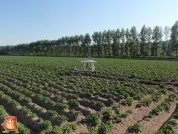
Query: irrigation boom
[{"x": 86, "y": 66}]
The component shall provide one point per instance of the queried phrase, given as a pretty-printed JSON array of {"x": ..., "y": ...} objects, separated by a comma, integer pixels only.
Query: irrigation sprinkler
[{"x": 86, "y": 66}]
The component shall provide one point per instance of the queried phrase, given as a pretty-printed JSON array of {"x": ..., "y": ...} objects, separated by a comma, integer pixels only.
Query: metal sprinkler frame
[{"x": 86, "y": 66}]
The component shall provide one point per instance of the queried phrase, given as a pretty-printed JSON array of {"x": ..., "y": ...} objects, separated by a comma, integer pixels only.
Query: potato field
[{"x": 125, "y": 96}]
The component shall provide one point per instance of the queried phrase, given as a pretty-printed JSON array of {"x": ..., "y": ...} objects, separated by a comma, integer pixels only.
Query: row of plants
[
  {"x": 164, "y": 106},
  {"x": 72, "y": 95},
  {"x": 46, "y": 123},
  {"x": 21, "y": 128},
  {"x": 59, "y": 117},
  {"x": 102, "y": 122},
  {"x": 22, "y": 110},
  {"x": 72, "y": 103},
  {"x": 122, "y": 68},
  {"x": 136, "y": 128},
  {"x": 169, "y": 128},
  {"x": 127, "y": 91},
  {"x": 66, "y": 129},
  {"x": 154, "y": 98},
  {"x": 106, "y": 95},
  {"x": 48, "y": 82},
  {"x": 156, "y": 95}
]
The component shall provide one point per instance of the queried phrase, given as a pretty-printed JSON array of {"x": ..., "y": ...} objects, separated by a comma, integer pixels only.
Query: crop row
[
  {"x": 46, "y": 101},
  {"x": 121, "y": 68},
  {"x": 165, "y": 106},
  {"x": 169, "y": 128},
  {"x": 22, "y": 129},
  {"x": 46, "y": 124}
]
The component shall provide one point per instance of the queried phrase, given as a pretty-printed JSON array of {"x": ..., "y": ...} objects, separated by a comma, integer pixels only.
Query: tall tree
[
  {"x": 116, "y": 43},
  {"x": 94, "y": 50},
  {"x": 87, "y": 42},
  {"x": 157, "y": 37},
  {"x": 127, "y": 45},
  {"x": 134, "y": 47},
  {"x": 143, "y": 36},
  {"x": 100, "y": 38},
  {"x": 174, "y": 36},
  {"x": 76, "y": 42},
  {"x": 109, "y": 37},
  {"x": 81, "y": 38},
  {"x": 103, "y": 37},
  {"x": 167, "y": 35},
  {"x": 123, "y": 41},
  {"x": 149, "y": 30},
  {"x": 95, "y": 37}
]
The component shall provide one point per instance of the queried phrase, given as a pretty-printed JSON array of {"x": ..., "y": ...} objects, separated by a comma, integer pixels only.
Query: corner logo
[{"x": 10, "y": 124}]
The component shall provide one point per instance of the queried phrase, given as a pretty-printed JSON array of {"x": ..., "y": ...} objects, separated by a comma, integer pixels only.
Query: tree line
[{"x": 111, "y": 43}]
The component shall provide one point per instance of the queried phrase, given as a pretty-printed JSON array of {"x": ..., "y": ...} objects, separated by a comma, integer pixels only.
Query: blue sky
[{"x": 25, "y": 21}]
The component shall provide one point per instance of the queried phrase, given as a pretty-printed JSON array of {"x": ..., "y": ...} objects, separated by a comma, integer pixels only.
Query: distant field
[{"x": 125, "y": 96}]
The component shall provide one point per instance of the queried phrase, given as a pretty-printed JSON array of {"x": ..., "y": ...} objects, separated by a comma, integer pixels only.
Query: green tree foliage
[
  {"x": 123, "y": 41},
  {"x": 127, "y": 45},
  {"x": 87, "y": 42},
  {"x": 167, "y": 48},
  {"x": 174, "y": 37},
  {"x": 143, "y": 39},
  {"x": 150, "y": 32},
  {"x": 157, "y": 38},
  {"x": 134, "y": 45},
  {"x": 107, "y": 43}
]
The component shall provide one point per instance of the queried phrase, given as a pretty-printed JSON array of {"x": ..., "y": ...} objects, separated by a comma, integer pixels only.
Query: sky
[{"x": 25, "y": 21}]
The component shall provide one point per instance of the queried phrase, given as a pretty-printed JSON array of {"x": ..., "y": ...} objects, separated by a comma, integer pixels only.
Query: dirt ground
[
  {"x": 81, "y": 128},
  {"x": 153, "y": 125},
  {"x": 137, "y": 115}
]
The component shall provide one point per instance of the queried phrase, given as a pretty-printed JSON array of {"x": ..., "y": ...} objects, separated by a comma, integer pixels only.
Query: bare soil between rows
[
  {"x": 155, "y": 123},
  {"x": 137, "y": 115},
  {"x": 33, "y": 125}
]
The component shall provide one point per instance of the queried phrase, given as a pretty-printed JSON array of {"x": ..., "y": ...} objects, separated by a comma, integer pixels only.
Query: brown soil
[
  {"x": 126, "y": 108},
  {"x": 137, "y": 115},
  {"x": 42, "y": 113},
  {"x": 43, "y": 104},
  {"x": 104, "y": 99},
  {"x": 120, "y": 128},
  {"x": 85, "y": 111},
  {"x": 176, "y": 130},
  {"x": 91, "y": 106},
  {"x": 134, "y": 103},
  {"x": 29, "y": 122},
  {"x": 153, "y": 125},
  {"x": 81, "y": 128},
  {"x": 174, "y": 88}
]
